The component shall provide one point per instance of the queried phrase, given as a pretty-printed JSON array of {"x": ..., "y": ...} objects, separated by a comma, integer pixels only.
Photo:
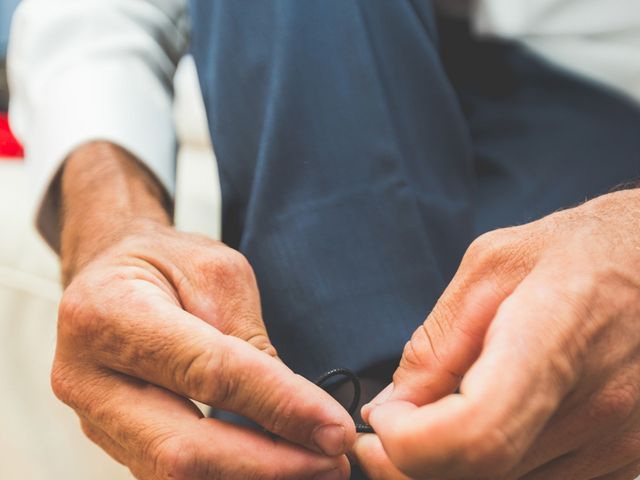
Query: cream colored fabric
[{"x": 40, "y": 438}]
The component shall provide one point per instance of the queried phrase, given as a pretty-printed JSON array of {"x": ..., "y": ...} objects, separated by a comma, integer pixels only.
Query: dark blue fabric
[
  {"x": 543, "y": 139},
  {"x": 360, "y": 151},
  {"x": 345, "y": 167}
]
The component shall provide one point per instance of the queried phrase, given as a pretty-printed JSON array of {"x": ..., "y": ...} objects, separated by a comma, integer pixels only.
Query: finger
[
  {"x": 167, "y": 438},
  {"x": 116, "y": 451},
  {"x": 158, "y": 342},
  {"x": 374, "y": 461},
  {"x": 105, "y": 442},
  {"x": 630, "y": 472},
  {"x": 585, "y": 418},
  {"x": 451, "y": 338},
  {"x": 601, "y": 458},
  {"x": 218, "y": 285},
  {"x": 525, "y": 370}
]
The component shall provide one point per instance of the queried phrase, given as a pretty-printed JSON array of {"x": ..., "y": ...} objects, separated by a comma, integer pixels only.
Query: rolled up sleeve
[{"x": 85, "y": 70}]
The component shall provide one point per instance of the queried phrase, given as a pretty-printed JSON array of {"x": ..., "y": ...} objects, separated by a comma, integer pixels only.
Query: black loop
[
  {"x": 357, "y": 391},
  {"x": 354, "y": 381}
]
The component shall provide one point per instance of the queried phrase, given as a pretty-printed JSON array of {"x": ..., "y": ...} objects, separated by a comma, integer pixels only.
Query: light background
[{"x": 40, "y": 438}]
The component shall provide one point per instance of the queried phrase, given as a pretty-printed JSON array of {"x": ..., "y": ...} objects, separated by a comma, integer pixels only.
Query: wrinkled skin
[
  {"x": 540, "y": 330},
  {"x": 152, "y": 318}
]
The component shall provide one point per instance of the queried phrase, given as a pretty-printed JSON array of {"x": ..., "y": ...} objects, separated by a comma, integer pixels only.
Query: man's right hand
[{"x": 153, "y": 317}]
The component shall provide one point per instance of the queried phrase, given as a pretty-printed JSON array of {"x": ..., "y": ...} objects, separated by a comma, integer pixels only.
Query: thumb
[
  {"x": 526, "y": 369},
  {"x": 445, "y": 346}
]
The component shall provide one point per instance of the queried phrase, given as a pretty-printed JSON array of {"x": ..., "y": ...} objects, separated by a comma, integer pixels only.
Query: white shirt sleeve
[
  {"x": 598, "y": 39},
  {"x": 83, "y": 70}
]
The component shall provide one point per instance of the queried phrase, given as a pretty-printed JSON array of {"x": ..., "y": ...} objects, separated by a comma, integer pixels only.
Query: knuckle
[
  {"x": 238, "y": 262},
  {"x": 226, "y": 384},
  {"x": 206, "y": 377},
  {"x": 61, "y": 382},
  {"x": 226, "y": 266},
  {"x": 480, "y": 258},
  {"x": 260, "y": 340},
  {"x": 420, "y": 353},
  {"x": 411, "y": 356},
  {"x": 173, "y": 458},
  {"x": 90, "y": 431},
  {"x": 73, "y": 315},
  {"x": 483, "y": 247},
  {"x": 496, "y": 250},
  {"x": 281, "y": 416},
  {"x": 562, "y": 368},
  {"x": 81, "y": 389},
  {"x": 416, "y": 351},
  {"x": 81, "y": 317},
  {"x": 580, "y": 286},
  {"x": 193, "y": 375},
  {"x": 211, "y": 270}
]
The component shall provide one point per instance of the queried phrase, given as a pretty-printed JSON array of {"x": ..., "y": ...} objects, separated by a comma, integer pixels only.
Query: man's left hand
[{"x": 540, "y": 331}]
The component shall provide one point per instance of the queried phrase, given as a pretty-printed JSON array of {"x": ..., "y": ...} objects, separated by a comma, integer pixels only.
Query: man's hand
[
  {"x": 540, "y": 330},
  {"x": 152, "y": 318}
]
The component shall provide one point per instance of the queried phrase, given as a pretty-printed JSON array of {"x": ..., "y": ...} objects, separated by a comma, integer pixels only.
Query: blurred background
[{"x": 40, "y": 438}]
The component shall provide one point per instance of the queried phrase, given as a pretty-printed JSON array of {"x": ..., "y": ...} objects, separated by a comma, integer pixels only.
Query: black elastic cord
[{"x": 357, "y": 391}]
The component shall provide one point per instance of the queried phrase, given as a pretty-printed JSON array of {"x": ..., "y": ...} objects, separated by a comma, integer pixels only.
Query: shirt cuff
[{"x": 120, "y": 102}]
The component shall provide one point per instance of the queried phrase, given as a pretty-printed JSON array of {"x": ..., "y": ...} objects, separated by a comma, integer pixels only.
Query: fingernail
[
  {"x": 330, "y": 439},
  {"x": 381, "y": 398},
  {"x": 334, "y": 474}
]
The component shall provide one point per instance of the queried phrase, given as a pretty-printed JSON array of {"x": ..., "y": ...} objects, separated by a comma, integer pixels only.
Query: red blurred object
[{"x": 9, "y": 146}]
